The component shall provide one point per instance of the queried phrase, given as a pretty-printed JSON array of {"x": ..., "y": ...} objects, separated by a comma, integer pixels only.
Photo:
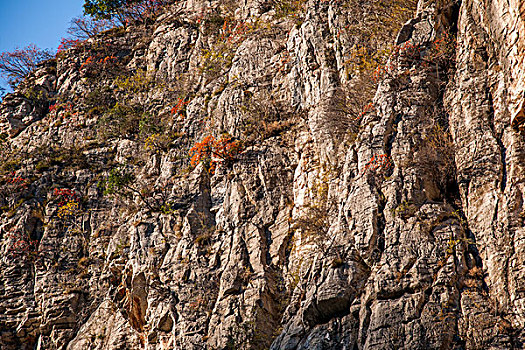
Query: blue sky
[{"x": 41, "y": 22}]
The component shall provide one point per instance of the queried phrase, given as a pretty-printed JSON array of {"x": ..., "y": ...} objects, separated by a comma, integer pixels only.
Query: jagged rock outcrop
[{"x": 339, "y": 224}]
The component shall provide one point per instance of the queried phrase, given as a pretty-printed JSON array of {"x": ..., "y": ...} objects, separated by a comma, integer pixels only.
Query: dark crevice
[
  {"x": 377, "y": 250},
  {"x": 454, "y": 17},
  {"x": 392, "y": 133},
  {"x": 396, "y": 294},
  {"x": 503, "y": 155},
  {"x": 472, "y": 253},
  {"x": 497, "y": 136},
  {"x": 366, "y": 324},
  {"x": 340, "y": 308},
  {"x": 452, "y": 193}
]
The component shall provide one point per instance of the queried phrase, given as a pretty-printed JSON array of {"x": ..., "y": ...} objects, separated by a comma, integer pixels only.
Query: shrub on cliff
[
  {"x": 124, "y": 11},
  {"x": 121, "y": 183},
  {"x": 83, "y": 28},
  {"x": 121, "y": 121},
  {"x": 17, "y": 64},
  {"x": 105, "y": 9},
  {"x": 211, "y": 152}
]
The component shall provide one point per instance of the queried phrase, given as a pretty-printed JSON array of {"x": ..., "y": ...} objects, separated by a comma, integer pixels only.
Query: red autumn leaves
[
  {"x": 65, "y": 195},
  {"x": 233, "y": 31},
  {"x": 68, "y": 107},
  {"x": 67, "y": 43},
  {"x": 21, "y": 245},
  {"x": 179, "y": 107},
  {"x": 18, "y": 182},
  {"x": 378, "y": 162},
  {"x": 212, "y": 152},
  {"x": 93, "y": 61}
]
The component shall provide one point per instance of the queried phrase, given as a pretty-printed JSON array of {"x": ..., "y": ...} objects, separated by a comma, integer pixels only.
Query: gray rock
[{"x": 400, "y": 227}]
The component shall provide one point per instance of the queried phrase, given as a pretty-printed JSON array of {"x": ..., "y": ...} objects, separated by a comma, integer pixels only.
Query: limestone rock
[{"x": 235, "y": 175}]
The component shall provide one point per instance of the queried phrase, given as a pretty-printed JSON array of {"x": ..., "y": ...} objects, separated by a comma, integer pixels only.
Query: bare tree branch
[
  {"x": 86, "y": 27},
  {"x": 17, "y": 64}
]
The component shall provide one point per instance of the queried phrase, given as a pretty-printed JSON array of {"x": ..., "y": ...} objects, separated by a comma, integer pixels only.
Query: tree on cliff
[
  {"x": 105, "y": 9},
  {"x": 124, "y": 11},
  {"x": 83, "y": 28},
  {"x": 17, "y": 64}
]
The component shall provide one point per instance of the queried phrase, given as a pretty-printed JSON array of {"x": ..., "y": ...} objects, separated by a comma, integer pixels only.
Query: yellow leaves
[
  {"x": 138, "y": 82},
  {"x": 71, "y": 208},
  {"x": 216, "y": 59},
  {"x": 289, "y": 8},
  {"x": 452, "y": 243},
  {"x": 362, "y": 59},
  {"x": 160, "y": 143},
  {"x": 152, "y": 141}
]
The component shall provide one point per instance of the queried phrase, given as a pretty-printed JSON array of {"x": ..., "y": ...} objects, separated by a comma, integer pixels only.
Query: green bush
[
  {"x": 99, "y": 99},
  {"x": 118, "y": 181},
  {"x": 11, "y": 165},
  {"x": 136, "y": 83},
  {"x": 121, "y": 121}
]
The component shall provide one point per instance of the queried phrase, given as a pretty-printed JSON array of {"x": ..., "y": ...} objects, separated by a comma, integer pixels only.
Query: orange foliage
[
  {"x": 93, "y": 61},
  {"x": 366, "y": 109},
  {"x": 210, "y": 151},
  {"x": 17, "y": 182},
  {"x": 179, "y": 107},
  {"x": 202, "y": 150},
  {"x": 378, "y": 162},
  {"x": 88, "y": 62},
  {"x": 233, "y": 31}
]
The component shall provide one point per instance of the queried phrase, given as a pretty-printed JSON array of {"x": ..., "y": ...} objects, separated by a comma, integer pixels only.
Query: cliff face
[{"x": 367, "y": 208}]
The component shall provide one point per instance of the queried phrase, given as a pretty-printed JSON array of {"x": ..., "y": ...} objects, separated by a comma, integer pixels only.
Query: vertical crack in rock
[{"x": 502, "y": 149}]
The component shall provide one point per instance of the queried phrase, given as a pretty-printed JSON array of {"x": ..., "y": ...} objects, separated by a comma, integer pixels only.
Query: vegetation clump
[
  {"x": 21, "y": 245},
  {"x": 211, "y": 152},
  {"x": 16, "y": 65},
  {"x": 124, "y": 11}
]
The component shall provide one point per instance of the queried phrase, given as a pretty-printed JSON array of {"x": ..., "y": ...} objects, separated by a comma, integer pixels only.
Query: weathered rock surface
[{"x": 400, "y": 227}]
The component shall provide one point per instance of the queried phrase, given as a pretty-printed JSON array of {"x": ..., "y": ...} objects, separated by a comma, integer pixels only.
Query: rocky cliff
[{"x": 271, "y": 175}]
